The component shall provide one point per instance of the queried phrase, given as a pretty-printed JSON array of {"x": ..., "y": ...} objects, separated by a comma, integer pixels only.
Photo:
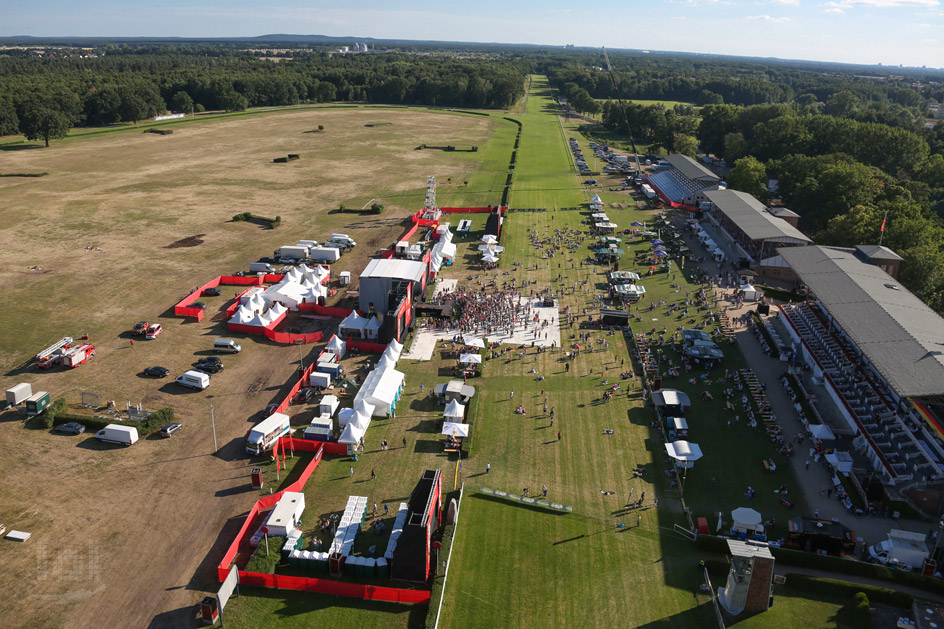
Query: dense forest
[{"x": 42, "y": 97}]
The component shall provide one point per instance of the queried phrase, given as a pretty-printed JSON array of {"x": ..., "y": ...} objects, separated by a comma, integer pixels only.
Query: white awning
[
  {"x": 456, "y": 430},
  {"x": 821, "y": 431},
  {"x": 670, "y": 397},
  {"x": 454, "y": 410},
  {"x": 683, "y": 451},
  {"x": 471, "y": 341},
  {"x": 474, "y": 359}
]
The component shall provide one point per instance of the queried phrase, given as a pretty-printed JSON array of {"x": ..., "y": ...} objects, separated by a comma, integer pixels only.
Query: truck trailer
[
  {"x": 263, "y": 435},
  {"x": 37, "y": 403},
  {"x": 325, "y": 255},
  {"x": 292, "y": 251},
  {"x": 18, "y": 394}
]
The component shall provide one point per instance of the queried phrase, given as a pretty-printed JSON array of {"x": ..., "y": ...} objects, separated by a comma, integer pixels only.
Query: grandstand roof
[
  {"x": 690, "y": 168},
  {"x": 901, "y": 336},
  {"x": 752, "y": 217}
]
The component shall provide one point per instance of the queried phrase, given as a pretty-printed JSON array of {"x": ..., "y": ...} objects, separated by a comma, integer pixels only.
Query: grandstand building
[
  {"x": 755, "y": 231},
  {"x": 684, "y": 183},
  {"x": 879, "y": 352}
]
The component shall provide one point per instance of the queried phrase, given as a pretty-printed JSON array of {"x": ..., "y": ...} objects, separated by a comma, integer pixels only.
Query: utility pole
[{"x": 213, "y": 422}]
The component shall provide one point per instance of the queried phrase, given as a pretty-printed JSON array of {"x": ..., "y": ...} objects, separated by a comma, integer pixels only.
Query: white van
[
  {"x": 343, "y": 239},
  {"x": 122, "y": 435},
  {"x": 261, "y": 267},
  {"x": 226, "y": 346},
  {"x": 194, "y": 379}
]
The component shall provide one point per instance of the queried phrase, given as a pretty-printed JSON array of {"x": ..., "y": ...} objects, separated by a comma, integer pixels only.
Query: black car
[
  {"x": 212, "y": 292},
  {"x": 199, "y": 304},
  {"x": 72, "y": 428},
  {"x": 210, "y": 367},
  {"x": 304, "y": 396},
  {"x": 267, "y": 260},
  {"x": 213, "y": 360},
  {"x": 157, "y": 372}
]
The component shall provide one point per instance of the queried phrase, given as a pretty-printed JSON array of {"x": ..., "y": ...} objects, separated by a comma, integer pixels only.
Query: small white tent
[
  {"x": 455, "y": 429},
  {"x": 353, "y": 325},
  {"x": 454, "y": 411},
  {"x": 336, "y": 346},
  {"x": 382, "y": 389}
]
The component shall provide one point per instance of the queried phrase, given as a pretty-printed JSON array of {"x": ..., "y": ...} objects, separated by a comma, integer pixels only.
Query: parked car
[
  {"x": 199, "y": 304},
  {"x": 154, "y": 330},
  {"x": 304, "y": 396},
  {"x": 72, "y": 428},
  {"x": 170, "y": 429},
  {"x": 157, "y": 372},
  {"x": 212, "y": 292},
  {"x": 271, "y": 408},
  {"x": 140, "y": 328},
  {"x": 210, "y": 364},
  {"x": 267, "y": 260}
]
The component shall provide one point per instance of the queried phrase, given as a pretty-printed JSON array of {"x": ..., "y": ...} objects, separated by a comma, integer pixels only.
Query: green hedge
[
  {"x": 23, "y": 174},
  {"x": 259, "y": 562},
  {"x": 377, "y": 208},
  {"x": 249, "y": 217},
  {"x": 861, "y": 611},
  {"x": 57, "y": 415},
  {"x": 838, "y": 565},
  {"x": 159, "y": 131},
  {"x": 818, "y": 585}
]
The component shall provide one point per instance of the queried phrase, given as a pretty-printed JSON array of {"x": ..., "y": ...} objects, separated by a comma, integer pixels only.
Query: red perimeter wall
[{"x": 307, "y": 584}]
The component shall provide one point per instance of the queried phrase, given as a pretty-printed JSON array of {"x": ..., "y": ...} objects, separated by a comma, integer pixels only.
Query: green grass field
[{"x": 516, "y": 566}]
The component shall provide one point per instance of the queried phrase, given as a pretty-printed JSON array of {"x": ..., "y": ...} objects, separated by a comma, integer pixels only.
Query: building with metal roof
[
  {"x": 684, "y": 182},
  {"x": 879, "y": 350},
  {"x": 755, "y": 230}
]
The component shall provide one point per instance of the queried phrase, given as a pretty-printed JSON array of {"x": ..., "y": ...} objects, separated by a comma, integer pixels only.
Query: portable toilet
[{"x": 345, "y": 278}]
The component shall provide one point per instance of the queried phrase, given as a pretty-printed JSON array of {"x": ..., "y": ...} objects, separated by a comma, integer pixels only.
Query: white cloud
[
  {"x": 768, "y": 18},
  {"x": 790, "y": 2},
  {"x": 880, "y": 4}
]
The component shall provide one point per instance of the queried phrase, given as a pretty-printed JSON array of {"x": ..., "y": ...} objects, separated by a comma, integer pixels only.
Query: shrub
[
  {"x": 259, "y": 562},
  {"x": 818, "y": 585},
  {"x": 342, "y": 207},
  {"x": 321, "y": 127},
  {"x": 55, "y": 409},
  {"x": 199, "y": 108},
  {"x": 280, "y": 160},
  {"x": 377, "y": 208},
  {"x": 861, "y": 612},
  {"x": 293, "y": 156}
]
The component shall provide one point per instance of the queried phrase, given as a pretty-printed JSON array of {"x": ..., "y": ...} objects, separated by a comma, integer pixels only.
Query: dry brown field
[{"x": 130, "y": 536}]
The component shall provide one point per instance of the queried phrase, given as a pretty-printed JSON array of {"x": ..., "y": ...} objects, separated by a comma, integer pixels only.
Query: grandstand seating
[
  {"x": 677, "y": 187},
  {"x": 893, "y": 437}
]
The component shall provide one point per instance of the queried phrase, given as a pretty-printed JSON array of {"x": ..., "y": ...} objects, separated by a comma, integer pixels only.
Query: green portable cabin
[{"x": 37, "y": 403}]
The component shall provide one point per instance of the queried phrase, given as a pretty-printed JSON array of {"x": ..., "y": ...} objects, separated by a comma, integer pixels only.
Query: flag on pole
[{"x": 884, "y": 218}]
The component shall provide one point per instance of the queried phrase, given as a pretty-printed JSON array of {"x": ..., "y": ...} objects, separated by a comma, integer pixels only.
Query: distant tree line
[{"x": 43, "y": 97}]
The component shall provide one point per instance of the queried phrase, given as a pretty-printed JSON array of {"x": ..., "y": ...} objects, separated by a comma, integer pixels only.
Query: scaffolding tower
[{"x": 430, "y": 211}]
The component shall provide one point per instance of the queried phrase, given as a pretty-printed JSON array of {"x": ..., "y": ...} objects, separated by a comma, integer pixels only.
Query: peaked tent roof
[{"x": 454, "y": 409}]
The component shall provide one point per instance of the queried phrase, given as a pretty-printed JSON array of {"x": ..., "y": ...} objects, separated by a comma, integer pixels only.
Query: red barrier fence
[
  {"x": 325, "y": 310},
  {"x": 338, "y": 588},
  {"x": 307, "y": 584},
  {"x": 183, "y": 308},
  {"x": 366, "y": 346}
]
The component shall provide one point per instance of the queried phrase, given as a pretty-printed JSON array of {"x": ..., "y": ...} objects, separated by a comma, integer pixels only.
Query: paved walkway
[{"x": 424, "y": 341}]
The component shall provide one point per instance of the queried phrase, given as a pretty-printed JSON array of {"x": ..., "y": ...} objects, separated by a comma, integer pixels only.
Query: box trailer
[
  {"x": 37, "y": 403},
  {"x": 16, "y": 395},
  {"x": 78, "y": 355},
  {"x": 901, "y": 548},
  {"x": 263, "y": 435},
  {"x": 122, "y": 435},
  {"x": 325, "y": 254},
  {"x": 293, "y": 251}
]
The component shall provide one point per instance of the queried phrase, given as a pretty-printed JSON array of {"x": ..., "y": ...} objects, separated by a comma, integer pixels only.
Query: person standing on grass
[
  {"x": 544, "y": 490},
  {"x": 373, "y": 476},
  {"x": 352, "y": 470},
  {"x": 488, "y": 468},
  {"x": 558, "y": 435},
  {"x": 512, "y": 396},
  {"x": 386, "y": 509}
]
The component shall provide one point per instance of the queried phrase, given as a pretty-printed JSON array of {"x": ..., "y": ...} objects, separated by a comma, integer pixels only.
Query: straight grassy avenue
[
  {"x": 518, "y": 567},
  {"x": 733, "y": 453}
]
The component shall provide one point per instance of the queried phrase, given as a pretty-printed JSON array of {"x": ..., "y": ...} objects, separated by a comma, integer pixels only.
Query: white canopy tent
[
  {"x": 596, "y": 199},
  {"x": 489, "y": 259},
  {"x": 746, "y": 518},
  {"x": 353, "y": 325},
  {"x": 336, "y": 346},
  {"x": 822, "y": 432},
  {"x": 456, "y": 430},
  {"x": 471, "y": 341},
  {"x": 684, "y": 453},
  {"x": 382, "y": 389},
  {"x": 454, "y": 410},
  {"x": 670, "y": 397},
  {"x": 352, "y": 434},
  {"x": 840, "y": 460},
  {"x": 493, "y": 249},
  {"x": 750, "y": 293},
  {"x": 474, "y": 359},
  {"x": 489, "y": 239}
]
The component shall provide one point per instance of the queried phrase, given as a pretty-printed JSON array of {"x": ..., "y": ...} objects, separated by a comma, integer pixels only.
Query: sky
[{"x": 891, "y": 32}]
